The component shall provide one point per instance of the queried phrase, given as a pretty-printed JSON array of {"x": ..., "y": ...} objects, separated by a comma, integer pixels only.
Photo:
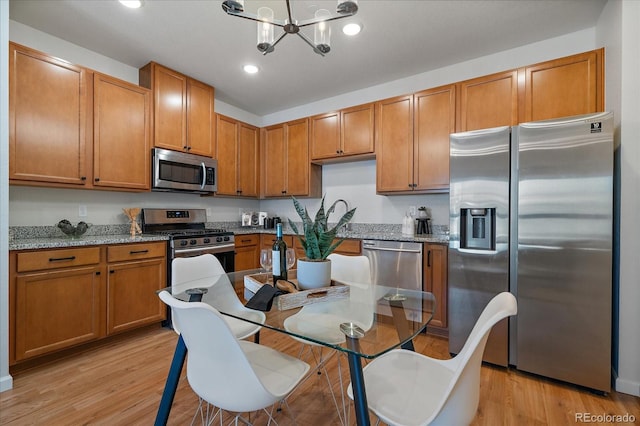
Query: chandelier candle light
[{"x": 321, "y": 43}]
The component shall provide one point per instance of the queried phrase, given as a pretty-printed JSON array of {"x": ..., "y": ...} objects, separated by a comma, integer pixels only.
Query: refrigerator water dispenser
[{"x": 477, "y": 228}]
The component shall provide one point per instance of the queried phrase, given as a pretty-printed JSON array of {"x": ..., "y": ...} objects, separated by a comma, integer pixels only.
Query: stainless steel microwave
[{"x": 178, "y": 171}]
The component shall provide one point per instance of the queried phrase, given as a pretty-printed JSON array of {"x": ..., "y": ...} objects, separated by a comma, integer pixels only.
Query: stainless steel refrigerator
[{"x": 531, "y": 211}]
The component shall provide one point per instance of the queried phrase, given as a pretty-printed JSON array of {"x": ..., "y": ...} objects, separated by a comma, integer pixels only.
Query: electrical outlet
[
  {"x": 412, "y": 211},
  {"x": 82, "y": 210},
  {"x": 209, "y": 213}
]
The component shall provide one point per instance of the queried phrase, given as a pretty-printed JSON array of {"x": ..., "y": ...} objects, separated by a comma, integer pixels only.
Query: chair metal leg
[{"x": 171, "y": 384}]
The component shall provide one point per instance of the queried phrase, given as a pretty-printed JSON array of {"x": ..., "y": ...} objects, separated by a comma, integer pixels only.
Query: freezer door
[
  {"x": 564, "y": 279},
  {"x": 478, "y": 260}
]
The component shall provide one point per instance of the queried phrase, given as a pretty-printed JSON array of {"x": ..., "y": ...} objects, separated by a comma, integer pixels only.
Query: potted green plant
[{"x": 317, "y": 240}]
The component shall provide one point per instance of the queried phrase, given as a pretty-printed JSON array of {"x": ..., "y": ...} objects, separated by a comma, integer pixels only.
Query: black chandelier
[{"x": 321, "y": 43}]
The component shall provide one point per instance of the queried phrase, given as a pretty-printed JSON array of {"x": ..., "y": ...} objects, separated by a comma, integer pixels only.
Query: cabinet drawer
[
  {"x": 126, "y": 252},
  {"x": 54, "y": 259},
  {"x": 247, "y": 240},
  {"x": 349, "y": 247}
]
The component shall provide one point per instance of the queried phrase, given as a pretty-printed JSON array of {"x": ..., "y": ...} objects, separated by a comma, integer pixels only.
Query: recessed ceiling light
[
  {"x": 132, "y": 4},
  {"x": 351, "y": 29},
  {"x": 250, "y": 69}
]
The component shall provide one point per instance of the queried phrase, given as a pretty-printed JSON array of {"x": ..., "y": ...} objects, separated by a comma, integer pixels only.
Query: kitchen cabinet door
[
  {"x": 57, "y": 309},
  {"x": 297, "y": 154},
  {"x": 287, "y": 168},
  {"x": 200, "y": 118},
  {"x": 274, "y": 161},
  {"x": 170, "y": 108},
  {"x": 136, "y": 273},
  {"x": 563, "y": 87},
  {"x": 183, "y": 118},
  {"x": 324, "y": 138},
  {"x": 227, "y": 155},
  {"x": 394, "y": 144},
  {"x": 122, "y": 114},
  {"x": 357, "y": 130},
  {"x": 434, "y": 121},
  {"x": 488, "y": 101},
  {"x": 247, "y": 252},
  {"x": 435, "y": 281},
  {"x": 47, "y": 119},
  {"x": 248, "y": 160}
]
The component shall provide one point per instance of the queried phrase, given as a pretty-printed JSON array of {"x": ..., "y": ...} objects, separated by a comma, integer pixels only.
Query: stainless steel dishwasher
[{"x": 395, "y": 263}]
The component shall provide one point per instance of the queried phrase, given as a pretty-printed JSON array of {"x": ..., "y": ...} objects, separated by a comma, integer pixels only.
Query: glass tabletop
[{"x": 378, "y": 317}]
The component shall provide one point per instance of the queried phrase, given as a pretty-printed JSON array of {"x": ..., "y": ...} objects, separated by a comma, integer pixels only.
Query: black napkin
[{"x": 263, "y": 298}]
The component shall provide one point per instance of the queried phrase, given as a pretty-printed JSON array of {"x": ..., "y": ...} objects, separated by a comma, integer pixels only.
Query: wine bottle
[{"x": 279, "y": 256}]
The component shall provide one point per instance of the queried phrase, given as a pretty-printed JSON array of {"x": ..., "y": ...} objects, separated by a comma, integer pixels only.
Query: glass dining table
[{"x": 362, "y": 328}]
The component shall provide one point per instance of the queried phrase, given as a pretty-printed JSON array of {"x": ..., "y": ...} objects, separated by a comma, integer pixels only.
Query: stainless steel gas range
[{"x": 188, "y": 235}]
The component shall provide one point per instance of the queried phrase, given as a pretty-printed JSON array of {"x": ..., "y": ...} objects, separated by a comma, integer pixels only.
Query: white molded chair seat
[
  {"x": 324, "y": 319},
  {"x": 407, "y": 388},
  {"x": 208, "y": 270},
  {"x": 233, "y": 375}
]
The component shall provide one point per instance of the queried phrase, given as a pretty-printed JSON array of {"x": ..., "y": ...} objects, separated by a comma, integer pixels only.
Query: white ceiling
[{"x": 399, "y": 39}]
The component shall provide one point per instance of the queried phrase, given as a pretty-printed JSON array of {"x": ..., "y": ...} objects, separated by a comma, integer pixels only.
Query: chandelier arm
[
  {"x": 310, "y": 43},
  {"x": 274, "y": 44},
  {"x": 314, "y": 21},
  {"x": 252, "y": 17}
]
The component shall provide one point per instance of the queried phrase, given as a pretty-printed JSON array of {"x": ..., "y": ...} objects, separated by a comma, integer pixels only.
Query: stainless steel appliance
[
  {"x": 395, "y": 263},
  {"x": 178, "y": 171},
  {"x": 531, "y": 212},
  {"x": 188, "y": 235}
]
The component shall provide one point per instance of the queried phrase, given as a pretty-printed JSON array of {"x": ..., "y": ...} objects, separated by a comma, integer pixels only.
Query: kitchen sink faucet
[{"x": 346, "y": 226}]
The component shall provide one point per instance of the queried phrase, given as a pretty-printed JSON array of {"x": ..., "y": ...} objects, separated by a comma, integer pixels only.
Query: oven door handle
[{"x": 211, "y": 249}]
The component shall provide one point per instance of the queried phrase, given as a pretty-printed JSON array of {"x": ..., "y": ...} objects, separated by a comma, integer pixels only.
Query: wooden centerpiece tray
[{"x": 335, "y": 291}]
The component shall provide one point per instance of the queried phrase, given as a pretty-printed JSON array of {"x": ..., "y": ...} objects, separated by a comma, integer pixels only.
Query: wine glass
[
  {"x": 265, "y": 259},
  {"x": 291, "y": 257}
]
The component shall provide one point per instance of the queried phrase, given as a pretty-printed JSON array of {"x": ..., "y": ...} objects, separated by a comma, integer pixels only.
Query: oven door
[{"x": 225, "y": 254}]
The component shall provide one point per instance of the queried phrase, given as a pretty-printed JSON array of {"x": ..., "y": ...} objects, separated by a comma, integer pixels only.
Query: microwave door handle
[{"x": 204, "y": 175}]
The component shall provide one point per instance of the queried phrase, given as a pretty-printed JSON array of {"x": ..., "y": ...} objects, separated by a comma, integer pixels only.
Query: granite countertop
[{"x": 46, "y": 237}]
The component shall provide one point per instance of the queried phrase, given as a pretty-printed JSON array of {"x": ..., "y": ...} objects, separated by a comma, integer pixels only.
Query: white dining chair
[
  {"x": 323, "y": 319},
  {"x": 207, "y": 271},
  {"x": 233, "y": 375},
  {"x": 408, "y": 388}
]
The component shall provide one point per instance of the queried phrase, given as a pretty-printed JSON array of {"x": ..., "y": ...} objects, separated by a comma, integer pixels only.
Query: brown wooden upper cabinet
[
  {"x": 183, "y": 110},
  {"x": 121, "y": 134},
  {"x": 489, "y": 101},
  {"x": 237, "y": 148},
  {"x": 563, "y": 87},
  {"x": 286, "y": 165},
  {"x": 412, "y": 141},
  {"x": 345, "y": 135},
  {"x": 71, "y": 127}
]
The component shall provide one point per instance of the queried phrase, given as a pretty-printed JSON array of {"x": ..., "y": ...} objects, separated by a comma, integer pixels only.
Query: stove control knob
[
  {"x": 193, "y": 242},
  {"x": 184, "y": 242},
  {"x": 206, "y": 240},
  {"x": 226, "y": 238}
]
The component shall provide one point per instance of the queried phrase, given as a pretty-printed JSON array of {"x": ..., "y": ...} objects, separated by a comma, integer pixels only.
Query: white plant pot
[{"x": 313, "y": 274}]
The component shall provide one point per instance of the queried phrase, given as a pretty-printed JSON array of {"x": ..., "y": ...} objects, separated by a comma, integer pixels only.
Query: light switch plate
[{"x": 82, "y": 210}]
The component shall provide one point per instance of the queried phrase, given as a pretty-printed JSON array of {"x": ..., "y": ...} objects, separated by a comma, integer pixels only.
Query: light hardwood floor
[{"x": 120, "y": 383}]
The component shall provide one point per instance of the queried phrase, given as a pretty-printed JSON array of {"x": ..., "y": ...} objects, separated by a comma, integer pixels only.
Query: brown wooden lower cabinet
[
  {"x": 247, "y": 252},
  {"x": 435, "y": 281},
  {"x": 61, "y": 298},
  {"x": 348, "y": 247},
  {"x": 136, "y": 273}
]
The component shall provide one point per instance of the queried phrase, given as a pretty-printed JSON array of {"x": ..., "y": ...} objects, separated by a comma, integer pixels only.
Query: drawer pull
[
  {"x": 61, "y": 259},
  {"x": 138, "y": 251}
]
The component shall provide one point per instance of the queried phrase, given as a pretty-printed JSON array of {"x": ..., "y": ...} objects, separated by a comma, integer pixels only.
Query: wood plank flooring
[{"x": 120, "y": 383}]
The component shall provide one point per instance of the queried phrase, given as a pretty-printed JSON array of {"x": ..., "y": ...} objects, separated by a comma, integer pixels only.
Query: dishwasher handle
[{"x": 391, "y": 249}]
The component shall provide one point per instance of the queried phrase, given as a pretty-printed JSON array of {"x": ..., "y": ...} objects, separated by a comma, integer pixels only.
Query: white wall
[
  {"x": 6, "y": 382},
  {"x": 618, "y": 31}
]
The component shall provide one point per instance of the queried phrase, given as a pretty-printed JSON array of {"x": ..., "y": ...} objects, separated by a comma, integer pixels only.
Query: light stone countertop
[{"x": 47, "y": 237}]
